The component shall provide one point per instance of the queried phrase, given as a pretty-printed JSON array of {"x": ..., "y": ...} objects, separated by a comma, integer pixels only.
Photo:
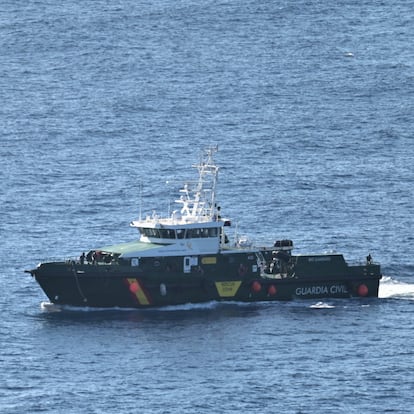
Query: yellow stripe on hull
[{"x": 136, "y": 289}]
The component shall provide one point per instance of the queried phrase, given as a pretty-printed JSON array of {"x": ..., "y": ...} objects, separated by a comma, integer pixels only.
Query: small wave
[
  {"x": 53, "y": 307},
  {"x": 50, "y": 307},
  {"x": 189, "y": 307},
  {"x": 390, "y": 288},
  {"x": 322, "y": 305}
]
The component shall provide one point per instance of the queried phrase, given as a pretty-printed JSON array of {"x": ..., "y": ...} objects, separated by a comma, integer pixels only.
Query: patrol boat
[{"x": 189, "y": 257}]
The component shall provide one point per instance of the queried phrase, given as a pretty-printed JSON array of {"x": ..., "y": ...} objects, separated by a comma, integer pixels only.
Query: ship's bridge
[
  {"x": 203, "y": 235},
  {"x": 198, "y": 224}
]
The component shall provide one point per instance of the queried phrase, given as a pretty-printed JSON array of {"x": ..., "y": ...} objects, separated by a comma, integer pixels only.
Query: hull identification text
[{"x": 321, "y": 290}]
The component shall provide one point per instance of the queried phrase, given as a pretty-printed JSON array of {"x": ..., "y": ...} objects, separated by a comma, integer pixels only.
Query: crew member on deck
[
  {"x": 369, "y": 259},
  {"x": 89, "y": 257}
]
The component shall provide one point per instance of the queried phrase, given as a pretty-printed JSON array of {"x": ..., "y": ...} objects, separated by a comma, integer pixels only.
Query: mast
[{"x": 200, "y": 202}]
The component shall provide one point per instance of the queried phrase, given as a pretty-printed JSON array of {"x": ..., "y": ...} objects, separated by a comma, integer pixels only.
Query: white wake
[{"x": 390, "y": 288}]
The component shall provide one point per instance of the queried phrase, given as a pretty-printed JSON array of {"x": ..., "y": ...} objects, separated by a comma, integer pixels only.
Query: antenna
[
  {"x": 140, "y": 200},
  {"x": 169, "y": 198}
]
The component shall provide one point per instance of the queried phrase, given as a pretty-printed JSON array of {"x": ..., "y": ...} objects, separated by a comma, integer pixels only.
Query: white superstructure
[{"x": 197, "y": 226}]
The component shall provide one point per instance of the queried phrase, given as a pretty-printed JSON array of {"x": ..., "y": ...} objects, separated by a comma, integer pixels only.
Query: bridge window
[
  {"x": 152, "y": 233},
  {"x": 193, "y": 234},
  {"x": 167, "y": 234},
  {"x": 213, "y": 232},
  {"x": 180, "y": 233},
  {"x": 158, "y": 233},
  {"x": 204, "y": 233}
]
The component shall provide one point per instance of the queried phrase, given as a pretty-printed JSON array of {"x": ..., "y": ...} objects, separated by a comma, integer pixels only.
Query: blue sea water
[{"x": 105, "y": 106}]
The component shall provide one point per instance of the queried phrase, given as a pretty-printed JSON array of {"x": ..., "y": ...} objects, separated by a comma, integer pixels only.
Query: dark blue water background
[{"x": 311, "y": 104}]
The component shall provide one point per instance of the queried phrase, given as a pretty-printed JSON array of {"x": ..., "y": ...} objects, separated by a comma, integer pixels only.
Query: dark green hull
[{"x": 164, "y": 281}]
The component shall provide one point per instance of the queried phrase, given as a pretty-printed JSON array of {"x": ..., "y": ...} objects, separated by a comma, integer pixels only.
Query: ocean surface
[{"x": 105, "y": 105}]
